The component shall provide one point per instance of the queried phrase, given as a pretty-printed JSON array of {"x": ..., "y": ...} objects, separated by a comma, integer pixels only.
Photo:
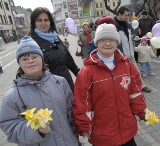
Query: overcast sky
[{"x": 34, "y": 3}]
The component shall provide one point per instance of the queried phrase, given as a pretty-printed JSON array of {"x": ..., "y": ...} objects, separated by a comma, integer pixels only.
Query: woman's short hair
[{"x": 35, "y": 14}]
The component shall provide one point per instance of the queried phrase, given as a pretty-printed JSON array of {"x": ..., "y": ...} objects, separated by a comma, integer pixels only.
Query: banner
[
  {"x": 85, "y": 11},
  {"x": 73, "y": 9},
  {"x": 58, "y": 10}
]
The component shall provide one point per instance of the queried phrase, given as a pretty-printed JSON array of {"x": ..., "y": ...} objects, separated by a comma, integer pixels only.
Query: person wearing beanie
[
  {"x": 27, "y": 46},
  {"x": 127, "y": 45},
  {"x": 145, "y": 53},
  {"x": 107, "y": 31},
  {"x": 108, "y": 93},
  {"x": 36, "y": 87},
  {"x": 107, "y": 20}
]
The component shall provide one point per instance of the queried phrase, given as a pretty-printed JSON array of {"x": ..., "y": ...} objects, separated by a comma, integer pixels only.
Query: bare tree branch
[
  {"x": 114, "y": 11},
  {"x": 141, "y": 9}
]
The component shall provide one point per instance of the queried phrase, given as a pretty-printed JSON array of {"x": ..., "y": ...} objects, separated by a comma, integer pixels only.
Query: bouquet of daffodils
[
  {"x": 151, "y": 117},
  {"x": 39, "y": 119}
]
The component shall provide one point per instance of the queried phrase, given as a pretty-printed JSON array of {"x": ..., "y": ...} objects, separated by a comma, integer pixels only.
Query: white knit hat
[{"x": 106, "y": 31}]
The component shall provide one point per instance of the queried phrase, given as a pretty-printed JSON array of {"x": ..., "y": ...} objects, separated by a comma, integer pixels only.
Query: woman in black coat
[{"x": 56, "y": 56}]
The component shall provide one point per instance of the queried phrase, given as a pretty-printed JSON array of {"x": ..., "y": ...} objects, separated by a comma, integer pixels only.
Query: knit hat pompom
[
  {"x": 27, "y": 46},
  {"x": 106, "y": 31}
]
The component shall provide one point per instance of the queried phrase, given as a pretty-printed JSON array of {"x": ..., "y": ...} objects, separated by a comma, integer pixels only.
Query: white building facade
[{"x": 6, "y": 21}]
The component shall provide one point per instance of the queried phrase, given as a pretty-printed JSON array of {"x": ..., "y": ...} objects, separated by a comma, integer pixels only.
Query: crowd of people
[{"x": 106, "y": 96}]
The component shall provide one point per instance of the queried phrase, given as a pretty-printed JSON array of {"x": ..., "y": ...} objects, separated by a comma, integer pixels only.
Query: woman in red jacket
[{"x": 108, "y": 94}]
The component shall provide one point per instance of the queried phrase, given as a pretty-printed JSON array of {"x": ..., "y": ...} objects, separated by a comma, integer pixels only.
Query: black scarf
[{"x": 124, "y": 26}]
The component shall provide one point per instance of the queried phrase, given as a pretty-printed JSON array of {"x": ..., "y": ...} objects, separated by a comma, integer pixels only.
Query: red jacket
[{"x": 106, "y": 101}]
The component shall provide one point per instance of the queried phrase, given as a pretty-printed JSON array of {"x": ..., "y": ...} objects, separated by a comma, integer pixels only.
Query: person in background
[
  {"x": 127, "y": 44},
  {"x": 92, "y": 25},
  {"x": 84, "y": 39},
  {"x": 107, "y": 20},
  {"x": 56, "y": 56},
  {"x": 66, "y": 43},
  {"x": 36, "y": 87},
  {"x": 145, "y": 53},
  {"x": 1, "y": 67},
  {"x": 137, "y": 32},
  {"x": 65, "y": 31},
  {"x": 108, "y": 93},
  {"x": 145, "y": 23}
]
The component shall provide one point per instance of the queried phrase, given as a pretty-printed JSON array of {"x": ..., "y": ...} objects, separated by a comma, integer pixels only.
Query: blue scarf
[{"x": 49, "y": 36}]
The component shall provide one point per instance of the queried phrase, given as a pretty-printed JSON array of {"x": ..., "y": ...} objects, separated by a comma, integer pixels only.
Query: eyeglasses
[
  {"x": 42, "y": 20},
  {"x": 27, "y": 58},
  {"x": 104, "y": 41}
]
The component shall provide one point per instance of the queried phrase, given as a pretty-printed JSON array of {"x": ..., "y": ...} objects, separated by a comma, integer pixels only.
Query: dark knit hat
[
  {"x": 106, "y": 19},
  {"x": 26, "y": 46}
]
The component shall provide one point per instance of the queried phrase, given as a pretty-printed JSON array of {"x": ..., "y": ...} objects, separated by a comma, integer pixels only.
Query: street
[{"x": 148, "y": 135}]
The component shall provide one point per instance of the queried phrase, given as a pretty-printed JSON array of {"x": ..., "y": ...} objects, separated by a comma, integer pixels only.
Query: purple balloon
[
  {"x": 70, "y": 23},
  {"x": 156, "y": 29}
]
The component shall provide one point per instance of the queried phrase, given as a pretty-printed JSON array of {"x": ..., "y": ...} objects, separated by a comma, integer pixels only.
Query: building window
[
  {"x": 14, "y": 13},
  {"x": 102, "y": 13},
  {"x": 114, "y": 4},
  {"x": 96, "y": 5},
  {"x": 5, "y": 19},
  {"x": 64, "y": 5},
  {"x": 80, "y": 4},
  {"x": 11, "y": 3},
  {"x": 97, "y": 13},
  {"x": 80, "y": 13},
  {"x": 10, "y": 19},
  {"x": 1, "y": 19},
  {"x": 1, "y": 6},
  {"x": 100, "y": 5},
  {"x": 6, "y": 5}
]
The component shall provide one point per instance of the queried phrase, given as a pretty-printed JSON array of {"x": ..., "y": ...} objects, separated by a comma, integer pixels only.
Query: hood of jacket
[{"x": 20, "y": 81}]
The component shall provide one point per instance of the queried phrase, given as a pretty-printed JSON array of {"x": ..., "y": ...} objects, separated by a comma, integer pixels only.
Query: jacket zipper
[{"x": 117, "y": 104}]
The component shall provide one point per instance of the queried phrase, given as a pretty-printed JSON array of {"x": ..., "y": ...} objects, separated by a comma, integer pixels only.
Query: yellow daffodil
[
  {"x": 29, "y": 114},
  {"x": 151, "y": 117},
  {"x": 39, "y": 119},
  {"x": 44, "y": 116}
]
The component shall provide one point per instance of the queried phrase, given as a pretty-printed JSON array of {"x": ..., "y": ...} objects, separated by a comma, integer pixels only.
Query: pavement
[{"x": 148, "y": 135}]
